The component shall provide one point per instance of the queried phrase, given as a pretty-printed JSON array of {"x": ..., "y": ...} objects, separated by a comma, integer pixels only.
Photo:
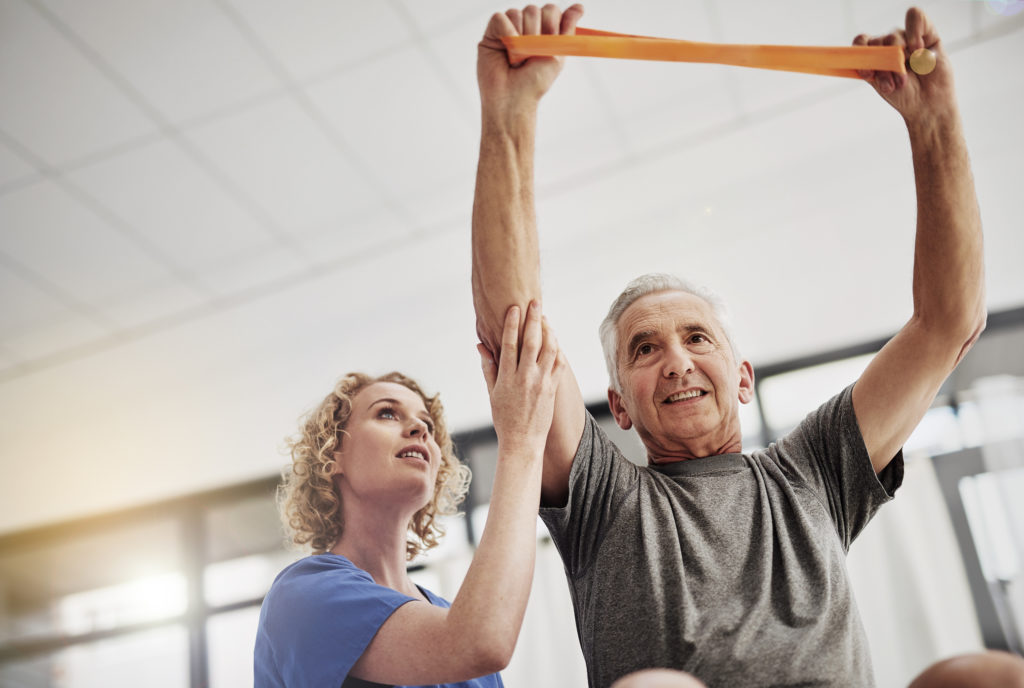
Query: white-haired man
[{"x": 726, "y": 565}]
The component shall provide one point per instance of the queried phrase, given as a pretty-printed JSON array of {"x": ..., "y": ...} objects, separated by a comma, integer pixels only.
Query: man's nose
[{"x": 678, "y": 362}]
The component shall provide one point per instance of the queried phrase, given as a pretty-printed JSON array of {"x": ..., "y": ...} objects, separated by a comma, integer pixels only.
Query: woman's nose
[{"x": 417, "y": 428}]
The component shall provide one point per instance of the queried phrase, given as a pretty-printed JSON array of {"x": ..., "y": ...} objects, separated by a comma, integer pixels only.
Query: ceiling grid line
[
  {"x": 298, "y": 94},
  {"x": 105, "y": 215},
  {"x": 423, "y": 45},
  {"x": 607, "y": 107},
  {"x": 214, "y": 306},
  {"x": 718, "y": 35},
  {"x": 172, "y": 133},
  {"x": 27, "y": 274}
]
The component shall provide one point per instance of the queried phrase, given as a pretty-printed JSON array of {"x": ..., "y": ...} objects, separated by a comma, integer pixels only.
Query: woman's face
[{"x": 388, "y": 451}]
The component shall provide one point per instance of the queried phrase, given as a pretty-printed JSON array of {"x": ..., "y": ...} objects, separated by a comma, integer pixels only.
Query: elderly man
[{"x": 725, "y": 565}]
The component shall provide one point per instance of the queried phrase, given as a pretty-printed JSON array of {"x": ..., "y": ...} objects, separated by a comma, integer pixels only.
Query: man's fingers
[
  {"x": 515, "y": 16},
  {"x": 570, "y": 18},
  {"x": 498, "y": 26},
  {"x": 531, "y": 20},
  {"x": 550, "y": 16},
  {"x": 867, "y": 74},
  {"x": 920, "y": 31}
]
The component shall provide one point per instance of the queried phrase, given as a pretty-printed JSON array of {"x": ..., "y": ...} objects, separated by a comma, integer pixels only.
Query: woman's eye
[
  {"x": 430, "y": 426},
  {"x": 387, "y": 413}
]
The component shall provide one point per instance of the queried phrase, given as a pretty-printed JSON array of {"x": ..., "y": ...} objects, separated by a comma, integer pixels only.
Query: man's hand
[
  {"x": 919, "y": 99},
  {"x": 509, "y": 87}
]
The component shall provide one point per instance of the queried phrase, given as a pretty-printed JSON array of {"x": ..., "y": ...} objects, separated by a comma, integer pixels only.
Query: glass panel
[
  {"x": 90, "y": 581},
  {"x": 230, "y": 638},
  {"x": 994, "y": 504},
  {"x": 789, "y": 397},
  {"x": 247, "y": 526},
  {"x": 751, "y": 426},
  {"x": 145, "y": 599},
  {"x": 245, "y": 578},
  {"x": 939, "y": 432},
  {"x": 454, "y": 543},
  {"x": 155, "y": 659}
]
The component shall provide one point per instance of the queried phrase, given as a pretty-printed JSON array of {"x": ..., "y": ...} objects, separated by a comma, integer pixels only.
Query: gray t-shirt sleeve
[
  {"x": 826, "y": 453},
  {"x": 600, "y": 478}
]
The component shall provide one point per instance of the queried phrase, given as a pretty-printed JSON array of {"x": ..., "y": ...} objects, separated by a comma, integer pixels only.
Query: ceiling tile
[
  {"x": 664, "y": 18},
  {"x": 23, "y": 306},
  {"x": 399, "y": 118},
  {"x": 431, "y": 17},
  {"x": 661, "y": 119},
  {"x": 152, "y": 304},
  {"x": 49, "y": 338},
  {"x": 252, "y": 270},
  {"x": 278, "y": 156},
  {"x": 166, "y": 197},
  {"x": 51, "y": 234},
  {"x": 797, "y": 22},
  {"x": 56, "y": 104},
  {"x": 8, "y": 359},
  {"x": 447, "y": 203},
  {"x": 454, "y": 48},
  {"x": 13, "y": 168},
  {"x": 953, "y": 20},
  {"x": 185, "y": 58},
  {"x": 336, "y": 244},
  {"x": 311, "y": 37}
]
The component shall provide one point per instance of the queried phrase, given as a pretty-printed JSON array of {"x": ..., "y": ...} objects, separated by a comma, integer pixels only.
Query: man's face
[{"x": 681, "y": 385}]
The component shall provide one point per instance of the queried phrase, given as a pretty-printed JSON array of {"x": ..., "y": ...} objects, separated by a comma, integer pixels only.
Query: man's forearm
[
  {"x": 948, "y": 254},
  {"x": 506, "y": 262}
]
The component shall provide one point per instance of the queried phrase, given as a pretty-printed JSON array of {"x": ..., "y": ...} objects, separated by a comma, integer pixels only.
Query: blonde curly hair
[{"x": 309, "y": 504}]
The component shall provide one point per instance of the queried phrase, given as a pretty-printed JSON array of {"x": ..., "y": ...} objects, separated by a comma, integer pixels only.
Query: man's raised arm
[
  {"x": 901, "y": 382},
  {"x": 506, "y": 262}
]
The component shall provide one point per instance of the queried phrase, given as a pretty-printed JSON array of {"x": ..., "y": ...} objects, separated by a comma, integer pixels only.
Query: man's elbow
[
  {"x": 974, "y": 330},
  {"x": 491, "y": 340}
]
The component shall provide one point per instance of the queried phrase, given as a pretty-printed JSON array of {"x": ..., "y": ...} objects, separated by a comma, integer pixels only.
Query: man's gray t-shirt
[{"x": 730, "y": 567}]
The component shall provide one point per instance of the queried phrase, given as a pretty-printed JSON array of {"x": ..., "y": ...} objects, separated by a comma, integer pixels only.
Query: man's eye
[{"x": 644, "y": 349}]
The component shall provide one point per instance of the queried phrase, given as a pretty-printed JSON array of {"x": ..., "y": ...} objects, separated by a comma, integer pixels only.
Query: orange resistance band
[{"x": 842, "y": 61}]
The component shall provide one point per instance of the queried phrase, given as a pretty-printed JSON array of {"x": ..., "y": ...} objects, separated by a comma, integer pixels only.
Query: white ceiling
[{"x": 211, "y": 209}]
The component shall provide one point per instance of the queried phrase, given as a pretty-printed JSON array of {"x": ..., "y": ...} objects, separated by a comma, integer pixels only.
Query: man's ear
[
  {"x": 746, "y": 382},
  {"x": 618, "y": 409}
]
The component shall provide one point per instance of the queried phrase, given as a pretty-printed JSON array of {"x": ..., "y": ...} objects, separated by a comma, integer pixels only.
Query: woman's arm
[{"x": 423, "y": 644}]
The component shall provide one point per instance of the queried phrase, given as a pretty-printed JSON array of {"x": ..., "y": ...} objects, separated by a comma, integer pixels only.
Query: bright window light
[{"x": 151, "y": 598}]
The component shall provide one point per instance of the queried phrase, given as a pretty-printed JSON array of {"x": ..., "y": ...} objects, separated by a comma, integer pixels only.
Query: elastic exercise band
[{"x": 839, "y": 61}]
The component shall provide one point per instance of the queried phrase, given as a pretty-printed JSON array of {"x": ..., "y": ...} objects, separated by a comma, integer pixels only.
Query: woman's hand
[{"x": 522, "y": 385}]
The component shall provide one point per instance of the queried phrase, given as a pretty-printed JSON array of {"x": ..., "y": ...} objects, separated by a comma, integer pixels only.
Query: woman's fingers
[
  {"x": 533, "y": 335},
  {"x": 548, "y": 358},
  {"x": 510, "y": 340}
]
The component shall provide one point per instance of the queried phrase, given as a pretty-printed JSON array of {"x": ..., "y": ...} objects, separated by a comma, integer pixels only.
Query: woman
[{"x": 371, "y": 470}]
